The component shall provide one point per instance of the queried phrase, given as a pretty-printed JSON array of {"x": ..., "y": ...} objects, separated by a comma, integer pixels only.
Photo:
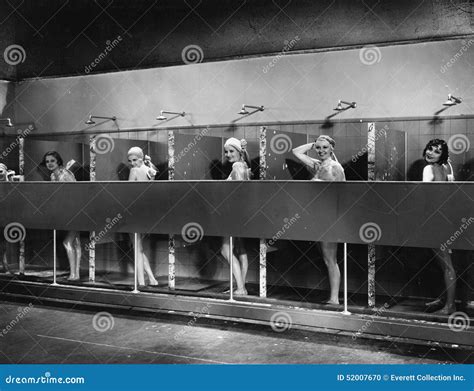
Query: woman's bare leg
[
  {"x": 146, "y": 263},
  {"x": 329, "y": 251},
  {"x": 77, "y": 245},
  {"x": 68, "y": 244},
  {"x": 244, "y": 263},
  {"x": 236, "y": 271},
  {"x": 449, "y": 274},
  {"x": 139, "y": 260},
  {"x": 149, "y": 272}
]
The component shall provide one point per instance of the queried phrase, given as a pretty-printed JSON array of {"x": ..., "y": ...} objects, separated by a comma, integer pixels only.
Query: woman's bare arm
[{"x": 300, "y": 153}]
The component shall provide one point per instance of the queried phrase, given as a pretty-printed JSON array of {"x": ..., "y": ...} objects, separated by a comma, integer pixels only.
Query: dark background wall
[{"x": 63, "y": 37}]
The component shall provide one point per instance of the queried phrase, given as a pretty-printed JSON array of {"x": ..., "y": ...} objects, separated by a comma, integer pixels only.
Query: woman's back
[
  {"x": 436, "y": 173},
  {"x": 240, "y": 172}
]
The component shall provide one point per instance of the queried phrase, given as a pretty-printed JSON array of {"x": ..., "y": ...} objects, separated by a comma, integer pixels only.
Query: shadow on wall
[{"x": 467, "y": 171}]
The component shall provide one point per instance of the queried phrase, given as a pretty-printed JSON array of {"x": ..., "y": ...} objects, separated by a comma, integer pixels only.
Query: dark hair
[
  {"x": 56, "y": 155},
  {"x": 436, "y": 142}
]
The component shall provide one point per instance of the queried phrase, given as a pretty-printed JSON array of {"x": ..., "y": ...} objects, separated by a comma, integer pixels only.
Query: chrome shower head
[
  {"x": 349, "y": 105},
  {"x": 161, "y": 117},
  {"x": 452, "y": 101},
  {"x": 8, "y": 122},
  {"x": 244, "y": 111},
  {"x": 90, "y": 121}
]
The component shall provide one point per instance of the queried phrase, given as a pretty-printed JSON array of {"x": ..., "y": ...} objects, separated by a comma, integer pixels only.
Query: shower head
[
  {"x": 452, "y": 101},
  {"x": 161, "y": 117},
  {"x": 243, "y": 110},
  {"x": 8, "y": 122},
  {"x": 90, "y": 121},
  {"x": 349, "y": 105}
]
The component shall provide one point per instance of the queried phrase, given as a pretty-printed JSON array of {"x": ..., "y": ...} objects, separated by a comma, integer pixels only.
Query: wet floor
[{"x": 72, "y": 334}]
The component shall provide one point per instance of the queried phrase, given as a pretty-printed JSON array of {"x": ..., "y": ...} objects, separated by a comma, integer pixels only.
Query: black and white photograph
[{"x": 237, "y": 182}]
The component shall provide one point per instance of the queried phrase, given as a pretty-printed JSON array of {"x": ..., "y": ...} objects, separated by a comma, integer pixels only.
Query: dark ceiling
[{"x": 64, "y": 37}]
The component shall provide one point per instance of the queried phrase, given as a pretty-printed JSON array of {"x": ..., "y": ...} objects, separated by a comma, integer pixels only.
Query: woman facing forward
[
  {"x": 438, "y": 169},
  {"x": 72, "y": 242},
  {"x": 237, "y": 155},
  {"x": 325, "y": 168},
  {"x": 140, "y": 172}
]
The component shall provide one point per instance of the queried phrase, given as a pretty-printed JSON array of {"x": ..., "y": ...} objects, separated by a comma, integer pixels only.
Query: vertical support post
[
  {"x": 346, "y": 312},
  {"x": 21, "y": 171},
  {"x": 54, "y": 258},
  {"x": 371, "y": 247},
  {"x": 171, "y": 242},
  {"x": 91, "y": 248},
  {"x": 135, "y": 263},
  {"x": 263, "y": 246},
  {"x": 92, "y": 176},
  {"x": 231, "y": 263},
  {"x": 171, "y": 263}
]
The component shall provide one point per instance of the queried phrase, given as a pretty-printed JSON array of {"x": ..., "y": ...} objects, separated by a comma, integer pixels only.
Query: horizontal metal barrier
[{"x": 411, "y": 214}]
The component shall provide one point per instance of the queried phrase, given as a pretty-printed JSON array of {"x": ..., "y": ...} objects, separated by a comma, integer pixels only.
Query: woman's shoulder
[
  {"x": 68, "y": 175},
  {"x": 336, "y": 166},
  {"x": 139, "y": 173},
  {"x": 240, "y": 166}
]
